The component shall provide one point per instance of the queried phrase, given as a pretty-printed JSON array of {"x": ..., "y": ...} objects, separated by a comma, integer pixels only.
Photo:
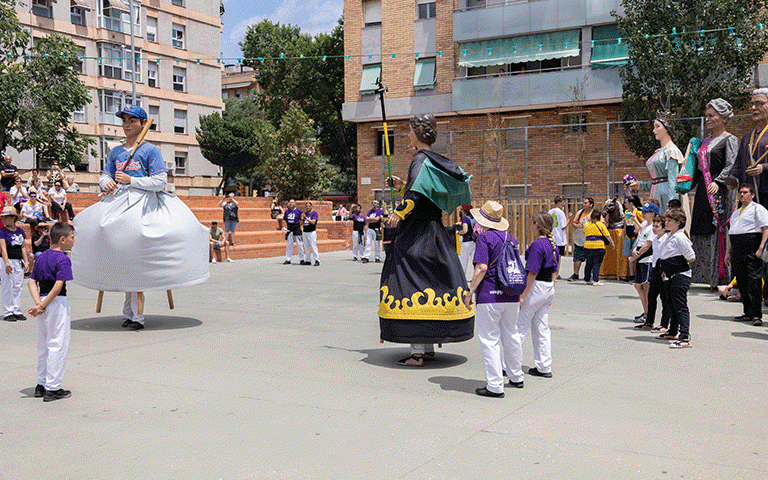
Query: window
[
  {"x": 380, "y": 148},
  {"x": 179, "y": 75},
  {"x": 424, "y": 74},
  {"x": 136, "y": 19},
  {"x": 180, "y": 121},
  {"x": 180, "y": 160},
  {"x": 152, "y": 80},
  {"x": 131, "y": 66},
  {"x": 78, "y": 116},
  {"x": 575, "y": 123},
  {"x": 77, "y": 15},
  {"x": 178, "y": 3},
  {"x": 371, "y": 73},
  {"x": 515, "y": 136},
  {"x": 42, "y": 8},
  {"x": 224, "y": 95},
  {"x": 178, "y": 36},
  {"x": 151, "y": 29},
  {"x": 516, "y": 190},
  {"x": 111, "y": 57},
  {"x": 112, "y": 13},
  {"x": 80, "y": 54},
  {"x": 372, "y": 12},
  {"x": 112, "y": 101},
  {"x": 427, "y": 10},
  {"x": 154, "y": 113}
]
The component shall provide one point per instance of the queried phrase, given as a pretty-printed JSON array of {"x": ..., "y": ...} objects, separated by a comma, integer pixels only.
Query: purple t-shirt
[
  {"x": 487, "y": 251},
  {"x": 308, "y": 227},
  {"x": 468, "y": 236},
  {"x": 50, "y": 267},
  {"x": 539, "y": 258},
  {"x": 13, "y": 242},
  {"x": 292, "y": 216},
  {"x": 372, "y": 213},
  {"x": 358, "y": 224}
]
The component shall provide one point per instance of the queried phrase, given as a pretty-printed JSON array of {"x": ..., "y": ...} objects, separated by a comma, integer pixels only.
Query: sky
[{"x": 312, "y": 16}]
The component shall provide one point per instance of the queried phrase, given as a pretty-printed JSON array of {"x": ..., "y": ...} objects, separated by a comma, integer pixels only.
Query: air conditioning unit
[{"x": 170, "y": 166}]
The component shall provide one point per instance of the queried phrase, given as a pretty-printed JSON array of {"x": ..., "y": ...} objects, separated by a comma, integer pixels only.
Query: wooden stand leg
[
  {"x": 439, "y": 345},
  {"x": 170, "y": 299},
  {"x": 140, "y": 301},
  {"x": 381, "y": 340},
  {"x": 99, "y": 301}
]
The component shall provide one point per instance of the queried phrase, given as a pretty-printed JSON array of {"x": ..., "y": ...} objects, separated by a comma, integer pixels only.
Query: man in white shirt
[{"x": 560, "y": 227}]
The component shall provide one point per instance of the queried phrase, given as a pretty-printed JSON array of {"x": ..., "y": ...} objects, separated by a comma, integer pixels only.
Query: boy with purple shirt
[
  {"x": 358, "y": 233},
  {"x": 14, "y": 252},
  {"x": 373, "y": 235},
  {"x": 292, "y": 217},
  {"x": 48, "y": 286},
  {"x": 310, "y": 218}
]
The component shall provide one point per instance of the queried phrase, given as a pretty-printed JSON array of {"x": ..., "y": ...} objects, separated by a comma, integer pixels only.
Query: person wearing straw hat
[
  {"x": 496, "y": 312},
  {"x": 422, "y": 285},
  {"x": 14, "y": 251}
]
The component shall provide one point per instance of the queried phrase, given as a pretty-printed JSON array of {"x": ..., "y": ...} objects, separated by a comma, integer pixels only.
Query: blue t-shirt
[
  {"x": 146, "y": 162},
  {"x": 50, "y": 267},
  {"x": 487, "y": 251},
  {"x": 539, "y": 259}
]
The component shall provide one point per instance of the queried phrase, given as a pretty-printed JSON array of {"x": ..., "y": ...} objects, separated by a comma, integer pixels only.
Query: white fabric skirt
[{"x": 138, "y": 241}]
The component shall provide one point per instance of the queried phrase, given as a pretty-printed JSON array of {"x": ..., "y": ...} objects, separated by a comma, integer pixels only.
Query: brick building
[{"x": 513, "y": 85}]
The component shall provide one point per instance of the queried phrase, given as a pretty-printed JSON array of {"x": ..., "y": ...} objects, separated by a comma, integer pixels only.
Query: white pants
[
  {"x": 289, "y": 247},
  {"x": 422, "y": 348},
  {"x": 310, "y": 246},
  {"x": 11, "y": 287},
  {"x": 357, "y": 244},
  {"x": 495, "y": 329},
  {"x": 534, "y": 314},
  {"x": 131, "y": 307},
  {"x": 370, "y": 242},
  {"x": 467, "y": 254},
  {"x": 52, "y": 343}
]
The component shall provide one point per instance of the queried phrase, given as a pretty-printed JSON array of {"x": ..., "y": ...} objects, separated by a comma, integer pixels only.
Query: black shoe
[
  {"x": 39, "y": 391},
  {"x": 308, "y": 263},
  {"x": 20, "y": 317},
  {"x": 135, "y": 326},
  {"x": 56, "y": 395},
  {"x": 484, "y": 392},
  {"x": 127, "y": 322},
  {"x": 535, "y": 373},
  {"x": 365, "y": 260},
  {"x": 317, "y": 263},
  {"x": 572, "y": 278},
  {"x": 378, "y": 260},
  {"x": 10, "y": 318},
  {"x": 354, "y": 259},
  {"x": 287, "y": 262},
  {"x": 516, "y": 384}
]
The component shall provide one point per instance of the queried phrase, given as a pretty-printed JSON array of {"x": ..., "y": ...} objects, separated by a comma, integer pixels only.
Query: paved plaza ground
[{"x": 272, "y": 371}]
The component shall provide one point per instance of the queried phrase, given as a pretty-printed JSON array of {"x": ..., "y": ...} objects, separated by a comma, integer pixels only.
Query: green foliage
[
  {"x": 239, "y": 139},
  {"x": 39, "y": 89},
  {"x": 681, "y": 73},
  {"x": 298, "y": 170}
]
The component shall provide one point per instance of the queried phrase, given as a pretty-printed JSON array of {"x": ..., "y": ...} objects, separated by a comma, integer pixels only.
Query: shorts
[
  {"x": 579, "y": 253},
  {"x": 561, "y": 250},
  {"x": 643, "y": 273},
  {"x": 216, "y": 246},
  {"x": 628, "y": 245},
  {"x": 229, "y": 225}
]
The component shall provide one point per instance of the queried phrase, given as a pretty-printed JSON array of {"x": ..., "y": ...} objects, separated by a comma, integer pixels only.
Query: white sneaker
[
  {"x": 213, "y": 260},
  {"x": 229, "y": 260},
  {"x": 598, "y": 284}
]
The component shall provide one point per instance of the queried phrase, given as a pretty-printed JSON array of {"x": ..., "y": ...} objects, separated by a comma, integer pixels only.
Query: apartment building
[
  {"x": 482, "y": 66},
  {"x": 238, "y": 81},
  {"x": 177, "y": 76}
]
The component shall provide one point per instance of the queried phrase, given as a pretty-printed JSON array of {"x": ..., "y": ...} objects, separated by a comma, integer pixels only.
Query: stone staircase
[{"x": 257, "y": 234}]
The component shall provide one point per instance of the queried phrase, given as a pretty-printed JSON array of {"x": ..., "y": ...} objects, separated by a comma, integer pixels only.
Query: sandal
[
  {"x": 680, "y": 344},
  {"x": 428, "y": 356},
  {"x": 644, "y": 326},
  {"x": 412, "y": 361},
  {"x": 659, "y": 329},
  {"x": 742, "y": 318},
  {"x": 666, "y": 336}
]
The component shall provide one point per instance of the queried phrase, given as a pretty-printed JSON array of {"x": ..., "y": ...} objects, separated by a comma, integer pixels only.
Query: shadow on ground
[
  {"x": 707, "y": 316},
  {"x": 152, "y": 322},
  {"x": 458, "y": 384},
  {"x": 755, "y": 335},
  {"x": 650, "y": 338},
  {"x": 388, "y": 357}
]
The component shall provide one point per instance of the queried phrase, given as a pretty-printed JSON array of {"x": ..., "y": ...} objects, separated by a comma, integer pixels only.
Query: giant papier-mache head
[{"x": 425, "y": 128}]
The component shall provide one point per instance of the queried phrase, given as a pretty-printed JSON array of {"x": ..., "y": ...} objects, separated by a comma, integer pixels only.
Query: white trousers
[
  {"x": 357, "y": 245},
  {"x": 422, "y": 348},
  {"x": 495, "y": 329},
  {"x": 11, "y": 287},
  {"x": 289, "y": 247},
  {"x": 310, "y": 246},
  {"x": 467, "y": 254},
  {"x": 370, "y": 242},
  {"x": 534, "y": 314},
  {"x": 52, "y": 343},
  {"x": 131, "y": 307}
]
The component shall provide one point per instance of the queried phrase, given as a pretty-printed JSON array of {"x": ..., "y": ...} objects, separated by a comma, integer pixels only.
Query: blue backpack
[{"x": 510, "y": 271}]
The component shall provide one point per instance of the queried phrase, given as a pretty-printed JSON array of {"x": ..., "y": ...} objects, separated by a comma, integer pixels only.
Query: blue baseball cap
[
  {"x": 132, "y": 110},
  {"x": 651, "y": 207}
]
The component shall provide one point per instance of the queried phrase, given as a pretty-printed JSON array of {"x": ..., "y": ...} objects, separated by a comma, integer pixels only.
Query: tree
[
  {"x": 39, "y": 90},
  {"x": 239, "y": 139},
  {"x": 675, "y": 67},
  {"x": 298, "y": 170}
]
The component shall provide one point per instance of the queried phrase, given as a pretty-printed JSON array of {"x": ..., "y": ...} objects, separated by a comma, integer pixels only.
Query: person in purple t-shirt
[
  {"x": 496, "y": 312},
  {"x": 358, "y": 232},
  {"x": 14, "y": 251},
  {"x": 467, "y": 239},
  {"x": 542, "y": 260},
  {"x": 48, "y": 287},
  {"x": 310, "y": 218},
  {"x": 292, "y": 217},
  {"x": 373, "y": 236}
]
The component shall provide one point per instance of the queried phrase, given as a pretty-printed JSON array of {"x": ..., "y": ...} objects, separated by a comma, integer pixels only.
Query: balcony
[
  {"x": 497, "y": 18},
  {"x": 546, "y": 88}
]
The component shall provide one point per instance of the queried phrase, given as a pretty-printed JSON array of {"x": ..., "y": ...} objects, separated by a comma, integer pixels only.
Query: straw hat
[
  {"x": 491, "y": 215},
  {"x": 9, "y": 211}
]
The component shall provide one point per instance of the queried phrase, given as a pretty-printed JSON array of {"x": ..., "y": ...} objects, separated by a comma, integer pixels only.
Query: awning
[
  {"x": 527, "y": 48},
  {"x": 607, "y": 51},
  {"x": 368, "y": 81},
  {"x": 81, "y": 3},
  {"x": 118, "y": 5},
  {"x": 424, "y": 75}
]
